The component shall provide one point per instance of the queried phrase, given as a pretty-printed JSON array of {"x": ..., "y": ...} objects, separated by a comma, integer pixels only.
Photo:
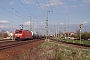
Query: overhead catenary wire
[
  {"x": 18, "y": 12},
  {"x": 11, "y": 12},
  {"x": 15, "y": 14},
  {"x": 40, "y": 6},
  {"x": 14, "y": 10},
  {"x": 19, "y": 7},
  {"x": 45, "y": 3},
  {"x": 26, "y": 8},
  {"x": 29, "y": 9},
  {"x": 50, "y": 5},
  {"x": 10, "y": 6}
]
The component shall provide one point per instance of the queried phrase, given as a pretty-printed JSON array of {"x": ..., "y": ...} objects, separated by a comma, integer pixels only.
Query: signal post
[{"x": 80, "y": 25}]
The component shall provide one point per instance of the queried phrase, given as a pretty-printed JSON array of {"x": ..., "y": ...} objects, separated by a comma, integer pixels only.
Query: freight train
[{"x": 25, "y": 34}]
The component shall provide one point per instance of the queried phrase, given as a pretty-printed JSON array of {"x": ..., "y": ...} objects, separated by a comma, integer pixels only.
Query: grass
[
  {"x": 77, "y": 41},
  {"x": 54, "y": 51}
]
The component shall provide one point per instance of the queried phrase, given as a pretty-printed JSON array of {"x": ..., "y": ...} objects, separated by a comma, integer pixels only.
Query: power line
[
  {"x": 22, "y": 8},
  {"x": 11, "y": 12},
  {"x": 18, "y": 6},
  {"x": 9, "y": 6},
  {"x": 45, "y": 3},
  {"x": 29, "y": 8},
  {"x": 40, "y": 6},
  {"x": 25, "y": 7},
  {"x": 50, "y": 5},
  {"x": 13, "y": 9}
]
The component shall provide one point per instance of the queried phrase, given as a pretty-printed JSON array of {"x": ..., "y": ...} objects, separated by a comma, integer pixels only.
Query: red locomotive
[{"x": 23, "y": 34}]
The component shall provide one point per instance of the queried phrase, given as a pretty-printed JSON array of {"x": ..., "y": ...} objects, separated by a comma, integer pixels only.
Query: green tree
[
  {"x": 3, "y": 34},
  {"x": 85, "y": 35}
]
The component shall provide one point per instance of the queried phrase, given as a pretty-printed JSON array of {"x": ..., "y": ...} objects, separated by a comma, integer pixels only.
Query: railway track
[
  {"x": 14, "y": 44},
  {"x": 6, "y": 42},
  {"x": 83, "y": 45}
]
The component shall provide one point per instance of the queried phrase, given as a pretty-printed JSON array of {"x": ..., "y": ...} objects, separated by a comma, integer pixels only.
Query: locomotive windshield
[{"x": 18, "y": 31}]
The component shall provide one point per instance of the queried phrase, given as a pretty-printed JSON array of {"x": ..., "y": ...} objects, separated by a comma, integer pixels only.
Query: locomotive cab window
[{"x": 18, "y": 32}]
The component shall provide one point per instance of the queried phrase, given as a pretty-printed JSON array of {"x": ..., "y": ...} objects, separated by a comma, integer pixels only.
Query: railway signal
[{"x": 80, "y": 25}]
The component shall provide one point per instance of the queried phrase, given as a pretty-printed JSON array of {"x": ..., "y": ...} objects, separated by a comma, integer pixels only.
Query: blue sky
[{"x": 77, "y": 11}]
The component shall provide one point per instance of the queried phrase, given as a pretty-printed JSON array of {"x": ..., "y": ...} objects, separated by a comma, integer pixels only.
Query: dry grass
[{"x": 54, "y": 51}]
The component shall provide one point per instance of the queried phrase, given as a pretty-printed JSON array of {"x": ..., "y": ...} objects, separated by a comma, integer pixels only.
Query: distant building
[{"x": 69, "y": 34}]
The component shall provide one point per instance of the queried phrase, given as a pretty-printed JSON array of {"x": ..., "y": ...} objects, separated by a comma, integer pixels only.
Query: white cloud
[
  {"x": 26, "y": 1},
  {"x": 61, "y": 23},
  {"x": 4, "y": 21},
  {"x": 28, "y": 23},
  {"x": 4, "y": 26},
  {"x": 87, "y": 1},
  {"x": 1, "y": 26},
  {"x": 52, "y": 3},
  {"x": 12, "y": 3},
  {"x": 68, "y": 6},
  {"x": 74, "y": 0},
  {"x": 73, "y": 6},
  {"x": 55, "y": 2},
  {"x": 65, "y": 12},
  {"x": 65, "y": 6},
  {"x": 85, "y": 23},
  {"x": 81, "y": 5}
]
